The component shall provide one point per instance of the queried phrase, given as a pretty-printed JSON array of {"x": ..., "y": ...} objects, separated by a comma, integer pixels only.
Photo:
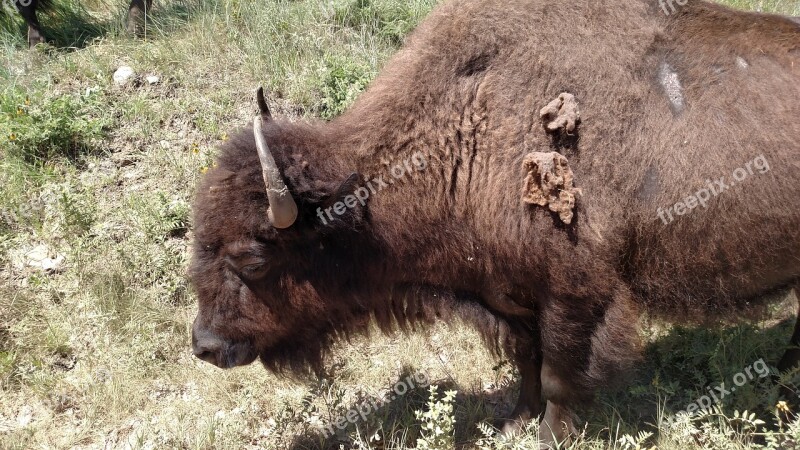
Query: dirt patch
[
  {"x": 562, "y": 114},
  {"x": 549, "y": 181}
]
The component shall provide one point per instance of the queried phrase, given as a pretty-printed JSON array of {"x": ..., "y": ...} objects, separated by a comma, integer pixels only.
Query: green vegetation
[
  {"x": 95, "y": 311},
  {"x": 43, "y": 128}
]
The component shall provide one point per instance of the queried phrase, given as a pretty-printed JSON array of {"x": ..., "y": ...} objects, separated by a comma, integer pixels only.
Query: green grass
[
  {"x": 788, "y": 7},
  {"x": 97, "y": 353}
]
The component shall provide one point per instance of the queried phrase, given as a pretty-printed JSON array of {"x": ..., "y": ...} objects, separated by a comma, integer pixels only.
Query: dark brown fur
[{"x": 457, "y": 239}]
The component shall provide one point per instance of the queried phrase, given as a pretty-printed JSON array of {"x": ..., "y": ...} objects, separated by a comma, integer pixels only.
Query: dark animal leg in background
[
  {"x": 529, "y": 403},
  {"x": 35, "y": 35},
  {"x": 791, "y": 357},
  {"x": 137, "y": 14}
]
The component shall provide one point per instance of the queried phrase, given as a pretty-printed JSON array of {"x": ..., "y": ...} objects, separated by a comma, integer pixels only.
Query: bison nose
[
  {"x": 207, "y": 347},
  {"x": 220, "y": 352}
]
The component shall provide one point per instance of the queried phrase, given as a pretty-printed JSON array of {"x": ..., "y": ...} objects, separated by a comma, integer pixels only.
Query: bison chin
[{"x": 300, "y": 360}]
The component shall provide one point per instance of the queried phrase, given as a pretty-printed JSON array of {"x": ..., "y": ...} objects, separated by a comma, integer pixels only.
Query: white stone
[
  {"x": 25, "y": 417},
  {"x": 152, "y": 79},
  {"x": 123, "y": 75},
  {"x": 42, "y": 258}
]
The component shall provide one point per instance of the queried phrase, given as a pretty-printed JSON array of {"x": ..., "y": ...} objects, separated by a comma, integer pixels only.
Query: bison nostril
[
  {"x": 206, "y": 356},
  {"x": 205, "y": 345},
  {"x": 220, "y": 352},
  {"x": 207, "y": 352}
]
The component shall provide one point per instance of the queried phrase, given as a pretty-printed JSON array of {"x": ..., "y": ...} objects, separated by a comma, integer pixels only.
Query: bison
[
  {"x": 27, "y": 8},
  {"x": 580, "y": 163}
]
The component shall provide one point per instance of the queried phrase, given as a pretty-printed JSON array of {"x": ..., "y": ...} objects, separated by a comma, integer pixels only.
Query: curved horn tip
[
  {"x": 286, "y": 219},
  {"x": 262, "y": 103}
]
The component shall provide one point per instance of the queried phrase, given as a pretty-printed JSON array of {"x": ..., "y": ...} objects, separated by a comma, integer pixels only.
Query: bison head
[{"x": 261, "y": 255}]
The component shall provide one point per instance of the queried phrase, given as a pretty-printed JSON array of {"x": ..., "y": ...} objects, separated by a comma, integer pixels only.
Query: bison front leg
[
  {"x": 587, "y": 342},
  {"x": 789, "y": 361},
  {"x": 529, "y": 403},
  {"x": 557, "y": 425}
]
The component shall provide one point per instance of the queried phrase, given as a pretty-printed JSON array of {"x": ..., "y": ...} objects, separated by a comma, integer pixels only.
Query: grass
[{"x": 96, "y": 353}]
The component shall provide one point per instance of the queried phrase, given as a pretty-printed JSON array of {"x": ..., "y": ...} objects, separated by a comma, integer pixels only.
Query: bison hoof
[
  {"x": 35, "y": 38},
  {"x": 511, "y": 428},
  {"x": 514, "y": 428}
]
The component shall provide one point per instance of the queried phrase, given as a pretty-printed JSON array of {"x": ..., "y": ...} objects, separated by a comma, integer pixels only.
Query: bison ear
[
  {"x": 348, "y": 186},
  {"x": 345, "y": 207}
]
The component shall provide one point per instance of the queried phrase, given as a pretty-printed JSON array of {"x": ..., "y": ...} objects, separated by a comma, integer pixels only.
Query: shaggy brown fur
[{"x": 457, "y": 238}]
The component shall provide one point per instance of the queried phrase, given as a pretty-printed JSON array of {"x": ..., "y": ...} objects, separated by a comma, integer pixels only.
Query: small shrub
[
  {"x": 78, "y": 212},
  {"x": 438, "y": 422},
  {"x": 341, "y": 85},
  {"x": 494, "y": 440},
  {"x": 37, "y": 128},
  {"x": 161, "y": 217},
  {"x": 638, "y": 442},
  {"x": 7, "y": 364}
]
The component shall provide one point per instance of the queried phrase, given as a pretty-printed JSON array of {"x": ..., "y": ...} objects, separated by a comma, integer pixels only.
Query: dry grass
[{"x": 96, "y": 354}]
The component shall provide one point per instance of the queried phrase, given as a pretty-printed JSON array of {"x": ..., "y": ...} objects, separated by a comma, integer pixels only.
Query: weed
[
  {"x": 343, "y": 82},
  {"x": 438, "y": 422},
  {"x": 37, "y": 127}
]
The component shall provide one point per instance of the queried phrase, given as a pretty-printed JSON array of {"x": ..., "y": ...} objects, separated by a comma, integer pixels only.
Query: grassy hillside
[{"x": 95, "y": 311}]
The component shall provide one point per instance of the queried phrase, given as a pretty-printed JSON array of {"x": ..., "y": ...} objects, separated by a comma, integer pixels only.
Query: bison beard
[{"x": 485, "y": 233}]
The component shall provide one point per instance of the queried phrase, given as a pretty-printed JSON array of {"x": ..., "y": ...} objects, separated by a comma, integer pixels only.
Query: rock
[
  {"x": 25, "y": 416},
  {"x": 42, "y": 258},
  {"x": 123, "y": 75},
  {"x": 153, "y": 79}
]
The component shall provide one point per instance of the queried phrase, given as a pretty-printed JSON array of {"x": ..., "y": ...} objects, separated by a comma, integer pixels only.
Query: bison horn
[{"x": 282, "y": 210}]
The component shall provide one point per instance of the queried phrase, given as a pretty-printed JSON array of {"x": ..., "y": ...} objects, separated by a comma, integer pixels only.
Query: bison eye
[
  {"x": 249, "y": 267},
  {"x": 252, "y": 271}
]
